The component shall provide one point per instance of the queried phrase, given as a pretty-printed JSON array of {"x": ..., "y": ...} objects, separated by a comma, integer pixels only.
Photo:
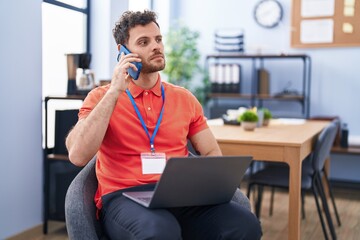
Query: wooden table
[{"x": 282, "y": 141}]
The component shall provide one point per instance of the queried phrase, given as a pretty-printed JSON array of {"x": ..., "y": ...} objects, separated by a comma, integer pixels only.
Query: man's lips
[{"x": 157, "y": 56}]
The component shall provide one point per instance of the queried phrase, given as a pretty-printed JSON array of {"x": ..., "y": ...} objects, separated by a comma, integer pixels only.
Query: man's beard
[{"x": 150, "y": 68}]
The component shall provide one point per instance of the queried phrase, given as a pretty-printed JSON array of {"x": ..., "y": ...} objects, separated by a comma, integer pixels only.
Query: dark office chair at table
[
  {"x": 336, "y": 143},
  {"x": 80, "y": 209},
  {"x": 312, "y": 172}
]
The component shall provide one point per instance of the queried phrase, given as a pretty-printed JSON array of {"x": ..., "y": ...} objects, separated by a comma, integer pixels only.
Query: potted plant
[
  {"x": 267, "y": 116},
  {"x": 182, "y": 61},
  {"x": 249, "y": 120}
]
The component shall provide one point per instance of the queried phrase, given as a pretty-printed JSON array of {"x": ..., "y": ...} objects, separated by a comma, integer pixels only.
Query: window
[
  {"x": 65, "y": 27},
  {"x": 75, "y": 3}
]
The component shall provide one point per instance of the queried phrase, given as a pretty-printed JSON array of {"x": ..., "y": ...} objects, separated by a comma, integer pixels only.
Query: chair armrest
[
  {"x": 80, "y": 209},
  {"x": 242, "y": 199}
]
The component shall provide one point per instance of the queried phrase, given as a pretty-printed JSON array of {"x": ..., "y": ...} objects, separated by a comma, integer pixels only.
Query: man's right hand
[{"x": 121, "y": 79}]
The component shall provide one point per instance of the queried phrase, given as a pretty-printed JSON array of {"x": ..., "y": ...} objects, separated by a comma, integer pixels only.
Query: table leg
[{"x": 294, "y": 162}]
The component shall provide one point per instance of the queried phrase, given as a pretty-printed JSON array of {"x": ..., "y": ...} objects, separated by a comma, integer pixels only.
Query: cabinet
[
  {"x": 58, "y": 170},
  {"x": 254, "y": 96}
]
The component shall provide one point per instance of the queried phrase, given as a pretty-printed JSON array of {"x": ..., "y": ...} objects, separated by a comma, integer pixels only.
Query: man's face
[{"x": 147, "y": 42}]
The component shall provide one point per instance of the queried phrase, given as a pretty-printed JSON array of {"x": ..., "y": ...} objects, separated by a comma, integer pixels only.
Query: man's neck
[{"x": 147, "y": 81}]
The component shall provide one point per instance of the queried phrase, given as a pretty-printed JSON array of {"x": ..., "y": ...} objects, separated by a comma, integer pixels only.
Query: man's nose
[{"x": 156, "y": 45}]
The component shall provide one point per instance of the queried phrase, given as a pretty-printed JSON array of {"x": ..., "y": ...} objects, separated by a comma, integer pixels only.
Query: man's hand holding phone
[
  {"x": 121, "y": 75},
  {"x": 134, "y": 73}
]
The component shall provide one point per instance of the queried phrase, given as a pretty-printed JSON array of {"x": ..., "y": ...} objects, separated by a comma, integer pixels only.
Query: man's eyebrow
[
  {"x": 142, "y": 38},
  {"x": 148, "y": 37}
]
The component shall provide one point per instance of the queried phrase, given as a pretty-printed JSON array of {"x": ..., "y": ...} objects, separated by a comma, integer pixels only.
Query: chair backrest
[
  {"x": 80, "y": 209},
  {"x": 64, "y": 121},
  {"x": 324, "y": 144}
]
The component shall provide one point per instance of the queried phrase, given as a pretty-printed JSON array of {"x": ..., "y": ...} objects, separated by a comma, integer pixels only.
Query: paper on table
[
  {"x": 215, "y": 122},
  {"x": 354, "y": 141},
  {"x": 291, "y": 121}
]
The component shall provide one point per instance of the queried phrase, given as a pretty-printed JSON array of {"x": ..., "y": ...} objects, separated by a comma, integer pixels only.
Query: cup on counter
[{"x": 260, "y": 113}]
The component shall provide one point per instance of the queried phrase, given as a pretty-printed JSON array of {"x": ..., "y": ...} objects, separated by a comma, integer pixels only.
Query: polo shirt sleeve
[
  {"x": 198, "y": 122},
  {"x": 91, "y": 101}
]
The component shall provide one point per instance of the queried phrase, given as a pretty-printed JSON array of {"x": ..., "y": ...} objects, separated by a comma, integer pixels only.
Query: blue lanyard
[{"x": 152, "y": 148}]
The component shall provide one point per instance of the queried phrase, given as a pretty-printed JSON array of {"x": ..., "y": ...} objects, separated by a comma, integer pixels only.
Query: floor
[
  {"x": 348, "y": 204},
  {"x": 275, "y": 226}
]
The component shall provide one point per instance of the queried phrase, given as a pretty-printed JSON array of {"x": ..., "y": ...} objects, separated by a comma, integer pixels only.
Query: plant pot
[
  {"x": 249, "y": 126},
  {"x": 266, "y": 122}
]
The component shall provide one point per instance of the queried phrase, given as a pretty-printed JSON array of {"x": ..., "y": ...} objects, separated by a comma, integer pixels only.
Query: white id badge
[{"x": 153, "y": 163}]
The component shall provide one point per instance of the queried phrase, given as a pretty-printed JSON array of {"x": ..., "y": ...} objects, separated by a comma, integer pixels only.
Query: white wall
[
  {"x": 103, "y": 47},
  {"x": 20, "y": 116},
  {"x": 100, "y": 39},
  {"x": 335, "y": 86}
]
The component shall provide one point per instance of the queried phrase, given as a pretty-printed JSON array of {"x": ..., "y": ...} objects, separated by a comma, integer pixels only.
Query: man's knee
[
  {"x": 251, "y": 228},
  {"x": 244, "y": 226},
  {"x": 162, "y": 230}
]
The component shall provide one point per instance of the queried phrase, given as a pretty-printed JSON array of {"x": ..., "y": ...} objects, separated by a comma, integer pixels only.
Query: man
[{"x": 127, "y": 123}]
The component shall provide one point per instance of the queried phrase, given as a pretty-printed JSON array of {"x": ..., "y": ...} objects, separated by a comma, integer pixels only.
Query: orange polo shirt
[{"x": 118, "y": 159}]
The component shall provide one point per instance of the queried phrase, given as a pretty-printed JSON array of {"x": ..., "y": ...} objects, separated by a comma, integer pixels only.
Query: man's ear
[{"x": 118, "y": 47}]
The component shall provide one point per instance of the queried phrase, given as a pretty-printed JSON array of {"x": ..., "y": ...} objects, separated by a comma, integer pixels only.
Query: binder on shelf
[
  {"x": 225, "y": 78},
  {"x": 256, "y": 84},
  {"x": 263, "y": 81}
]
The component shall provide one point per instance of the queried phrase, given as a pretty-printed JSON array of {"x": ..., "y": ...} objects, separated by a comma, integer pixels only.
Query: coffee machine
[{"x": 80, "y": 77}]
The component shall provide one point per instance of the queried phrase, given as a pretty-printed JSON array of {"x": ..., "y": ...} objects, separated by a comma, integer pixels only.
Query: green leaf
[{"x": 182, "y": 61}]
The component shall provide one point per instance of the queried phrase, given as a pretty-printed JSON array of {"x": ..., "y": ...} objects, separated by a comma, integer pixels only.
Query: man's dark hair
[{"x": 130, "y": 19}]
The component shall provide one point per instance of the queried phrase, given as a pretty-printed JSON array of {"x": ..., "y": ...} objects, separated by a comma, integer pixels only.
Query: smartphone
[{"x": 134, "y": 74}]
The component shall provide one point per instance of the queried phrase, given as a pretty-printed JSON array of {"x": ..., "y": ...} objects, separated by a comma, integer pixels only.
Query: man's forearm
[{"x": 85, "y": 138}]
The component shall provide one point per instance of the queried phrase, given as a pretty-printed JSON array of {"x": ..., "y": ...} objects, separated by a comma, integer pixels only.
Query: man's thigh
[
  {"x": 224, "y": 221},
  {"x": 124, "y": 219}
]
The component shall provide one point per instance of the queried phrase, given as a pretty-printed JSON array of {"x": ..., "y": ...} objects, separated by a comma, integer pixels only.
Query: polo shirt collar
[{"x": 137, "y": 91}]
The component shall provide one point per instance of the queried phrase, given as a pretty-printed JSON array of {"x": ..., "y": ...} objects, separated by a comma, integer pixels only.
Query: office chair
[
  {"x": 307, "y": 162},
  {"x": 312, "y": 172},
  {"x": 80, "y": 209}
]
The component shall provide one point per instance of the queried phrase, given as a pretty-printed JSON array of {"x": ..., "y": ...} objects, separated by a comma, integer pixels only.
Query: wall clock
[{"x": 268, "y": 13}]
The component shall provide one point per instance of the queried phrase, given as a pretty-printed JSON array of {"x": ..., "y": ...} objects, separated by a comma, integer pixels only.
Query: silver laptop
[{"x": 195, "y": 181}]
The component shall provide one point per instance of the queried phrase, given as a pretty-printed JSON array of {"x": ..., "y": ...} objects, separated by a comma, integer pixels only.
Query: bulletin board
[{"x": 325, "y": 23}]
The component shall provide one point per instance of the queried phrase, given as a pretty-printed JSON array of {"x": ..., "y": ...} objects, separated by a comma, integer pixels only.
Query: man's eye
[{"x": 143, "y": 42}]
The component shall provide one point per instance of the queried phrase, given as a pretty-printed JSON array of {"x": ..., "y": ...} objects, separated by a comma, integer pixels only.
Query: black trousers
[{"x": 124, "y": 219}]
